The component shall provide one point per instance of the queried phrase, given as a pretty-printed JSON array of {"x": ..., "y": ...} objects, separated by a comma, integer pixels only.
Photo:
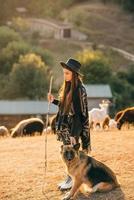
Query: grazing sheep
[
  {"x": 4, "y": 131},
  {"x": 112, "y": 123},
  {"x": 28, "y": 127},
  {"x": 47, "y": 130},
  {"x": 127, "y": 116},
  {"x": 97, "y": 116},
  {"x": 106, "y": 122},
  {"x": 117, "y": 116},
  {"x": 109, "y": 123}
]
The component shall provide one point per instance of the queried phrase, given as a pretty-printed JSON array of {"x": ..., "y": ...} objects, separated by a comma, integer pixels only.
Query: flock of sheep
[
  {"x": 98, "y": 119},
  {"x": 25, "y": 127}
]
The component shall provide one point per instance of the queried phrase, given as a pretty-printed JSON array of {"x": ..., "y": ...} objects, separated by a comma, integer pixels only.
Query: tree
[
  {"x": 128, "y": 5},
  {"x": 45, "y": 54},
  {"x": 20, "y": 24},
  {"x": 8, "y": 35},
  {"x": 130, "y": 75},
  {"x": 122, "y": 90},
  {"x": 10, "y": 54},
  {"x": 94, "y": 67},
  {"x": 28, "y": 78},
  {"x": 97, "y": 72}
]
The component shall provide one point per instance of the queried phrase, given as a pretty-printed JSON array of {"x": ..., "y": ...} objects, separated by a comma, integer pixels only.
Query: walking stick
[{"x": 47, "y": 118}]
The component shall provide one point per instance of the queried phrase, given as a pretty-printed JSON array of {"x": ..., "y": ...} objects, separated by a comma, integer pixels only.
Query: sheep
[
  {"x": 28, "y": 127},
  {"x": 4, "y": 131},
  {"x": 117, "y": 116},
  {"x": 106, "y": 122},
  {"x": 97, "y": 116},
  {"x": 127, "y": 116},
  {"x": 112, "y": 123},
  {"x": 47, "y": 130},
  {"x": 109, "y": 123}
]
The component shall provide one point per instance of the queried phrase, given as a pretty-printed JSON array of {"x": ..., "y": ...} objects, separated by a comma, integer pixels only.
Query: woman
[{"x": 72, "y": 120}]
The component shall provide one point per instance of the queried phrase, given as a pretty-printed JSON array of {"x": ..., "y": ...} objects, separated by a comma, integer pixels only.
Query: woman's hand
[
  {"x": 72, "y": 141},
  {"x": 50, "y": 97}
]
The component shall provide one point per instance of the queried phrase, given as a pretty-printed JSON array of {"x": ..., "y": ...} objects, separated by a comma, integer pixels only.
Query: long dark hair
[{"x": 66, "y": 92}]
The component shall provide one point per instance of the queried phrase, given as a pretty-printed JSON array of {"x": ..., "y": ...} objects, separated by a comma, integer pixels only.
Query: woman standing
[{"x": 72, "y": 120}]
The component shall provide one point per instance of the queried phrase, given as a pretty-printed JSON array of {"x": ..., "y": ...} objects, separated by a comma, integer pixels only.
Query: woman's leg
[{"x": 67, "y": 183}]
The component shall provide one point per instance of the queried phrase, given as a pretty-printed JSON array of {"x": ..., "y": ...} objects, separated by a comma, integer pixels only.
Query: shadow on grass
[{"x": 116, "y": 194}]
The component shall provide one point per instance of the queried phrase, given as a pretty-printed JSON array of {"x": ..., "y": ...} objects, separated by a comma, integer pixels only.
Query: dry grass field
[{"x": 22, "y": 166}]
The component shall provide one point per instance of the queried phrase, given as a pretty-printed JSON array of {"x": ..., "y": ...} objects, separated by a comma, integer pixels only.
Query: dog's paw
[{"x": 67, "y": 196}]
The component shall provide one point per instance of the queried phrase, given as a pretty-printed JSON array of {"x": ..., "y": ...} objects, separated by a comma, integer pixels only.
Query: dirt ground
[{"x": 22, "y": 166}]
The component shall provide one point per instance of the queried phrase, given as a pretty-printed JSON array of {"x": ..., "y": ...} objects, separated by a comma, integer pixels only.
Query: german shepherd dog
[{"x": 86, "y": 170}]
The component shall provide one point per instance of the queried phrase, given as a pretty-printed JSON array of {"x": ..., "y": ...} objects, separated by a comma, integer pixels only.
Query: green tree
[
  {"x": 10, "y": 54},
  {"x": 94, "y": 67},
  {"x": 96, "y": 72},
  {"x": 28, "y": 78},
  {"x": 20, "y": 24},
  {"x": 128, "y": 5},
  {"x": 45, "y": 54},
  {"x": 8, "y": 35},
  {"x": 130, "y": 75},
  {"x": 4, "y": 81},
  {"x": 122, "y": 90}
]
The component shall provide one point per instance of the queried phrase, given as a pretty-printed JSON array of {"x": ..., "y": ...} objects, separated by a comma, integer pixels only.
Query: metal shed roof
[
  {"x": 26, "y": 107},
  {"x": 98, "y": 91}
]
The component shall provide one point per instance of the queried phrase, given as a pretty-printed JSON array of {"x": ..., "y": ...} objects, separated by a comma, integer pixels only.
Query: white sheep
[{"x": 98, "y": 115}]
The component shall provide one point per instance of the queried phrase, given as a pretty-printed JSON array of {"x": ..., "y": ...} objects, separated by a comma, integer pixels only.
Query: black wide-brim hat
[{"x": 72, "y": 65}]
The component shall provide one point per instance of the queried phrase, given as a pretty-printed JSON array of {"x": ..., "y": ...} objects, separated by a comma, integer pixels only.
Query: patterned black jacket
[{"x": 77, "y": 119}]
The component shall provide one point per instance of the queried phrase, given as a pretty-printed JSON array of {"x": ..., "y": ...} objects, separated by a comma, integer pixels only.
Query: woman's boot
[{"x": 65, "y": 185}]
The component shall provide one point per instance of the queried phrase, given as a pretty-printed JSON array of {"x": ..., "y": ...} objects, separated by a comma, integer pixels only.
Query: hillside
[
  {"x": 104, "y": 24},
  {"x": 108, "y": 28},
  {"x": 64, "y": 49}
]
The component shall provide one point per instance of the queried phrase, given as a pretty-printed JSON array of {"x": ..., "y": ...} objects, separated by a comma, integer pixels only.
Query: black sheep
[
  {"x": 32, "y": 127},
  {"x": 127, "y": 116},
  {"x": 28, "y": 127}
]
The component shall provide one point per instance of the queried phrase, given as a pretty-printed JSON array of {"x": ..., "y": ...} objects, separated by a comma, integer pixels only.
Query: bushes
[
  {"x": 29, "y": 78},
  {"x": 130, "y": 74},
  {"x": 97, "y": 70},
  {"x": 95, "y": 67},
  {"x": 10, "y": 54},
  {"x": 24, "y": 70},
  {"x": 128, "y": 5},
  {"x": 8, "y": 35}
]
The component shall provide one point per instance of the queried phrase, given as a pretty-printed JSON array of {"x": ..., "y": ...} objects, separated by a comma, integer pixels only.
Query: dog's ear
[{"x": 76, "y": 146}]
